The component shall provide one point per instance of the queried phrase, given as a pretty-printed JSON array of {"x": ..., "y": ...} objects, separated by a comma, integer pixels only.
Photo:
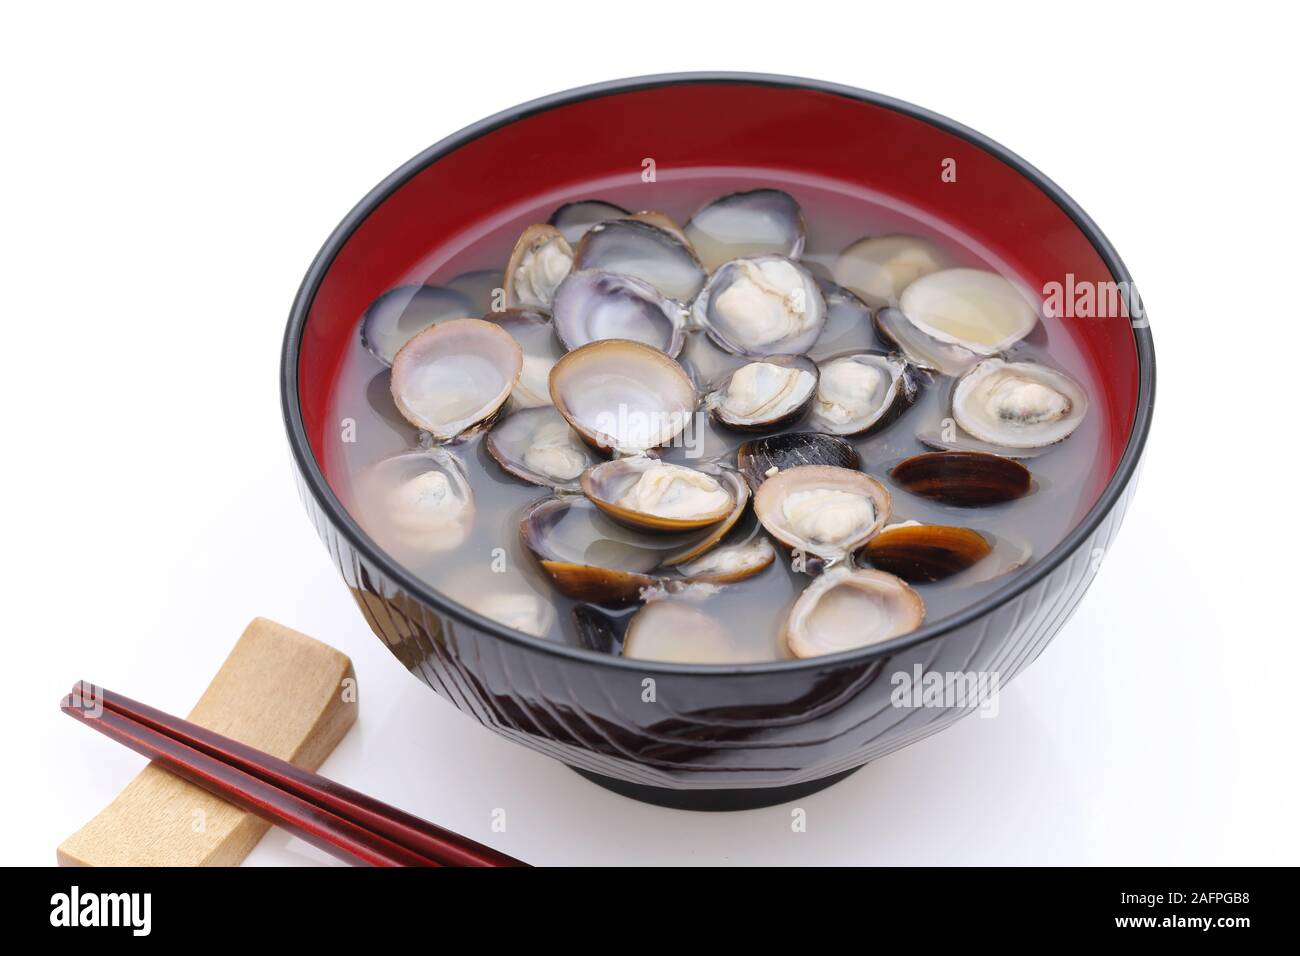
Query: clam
[
  {"x": 767, "y": 305},
  {"x": 644, "y": 251},
  {"x": 762, "y": 458},
  {"x": 744, "y": 553},
  {"x": 822, "y": 510},
  {"x": 590, "y": 557},
  {"x": 590, "y": 306},
  {"x": 926, "y": 552},
  {"x": 861, "y": 393},
  {"x": 879, "y": 268},
  {"x": 1008, "y": 554},
  {"x": 400, "y": 314},
  {"x": 485, "y": 289},
  {"x": 597, "y": 630},
  {"x": 848, "y": 325},
  {"x": 647, "y": 493},
  {"x": 969, "y": 478},
  {"x": 765, "y": 393},
  {"x": 974, "y": 309},
  {"x": 539, "y": 263},
  {"x": 533, "y": 331},
  {"x": 573, "y": 219},
  {"x": 1018, "y": 404},
  {"x": 622, "y": 396},
  {"x": 679, "y": 632},
  {"x": 455, "y": 375},
  {"x": 538, "y": 446},
  {"x": 921, "y": 350},
  {"x": 845, "y": 609},
  {"x": 662, "y": 221},
  {"x": 419, "y": 501},
  {"x": 745, "y": 224}
]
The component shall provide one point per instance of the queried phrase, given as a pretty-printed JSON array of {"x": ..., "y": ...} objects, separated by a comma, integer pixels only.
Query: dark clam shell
[
  {"x": 922, "y": 553},
  {"x": 969, "y": 478},
  {"x": 598, "y": 631},
  {"x": 757, "y": 457}
]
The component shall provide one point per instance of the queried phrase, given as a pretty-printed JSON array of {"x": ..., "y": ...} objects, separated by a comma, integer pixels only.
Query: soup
[{"x": 729, "y": 430}]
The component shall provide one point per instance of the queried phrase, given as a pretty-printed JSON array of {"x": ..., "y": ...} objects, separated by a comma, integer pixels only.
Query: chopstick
[{"x": 328, "y": 815}]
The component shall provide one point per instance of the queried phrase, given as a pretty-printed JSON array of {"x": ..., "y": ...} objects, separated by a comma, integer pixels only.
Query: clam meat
[
  {"x": 766, "y": 393},
  {"x": 858, "y": 394},
  {"x": 541, "y": 260},
  {"x": 648, "y": 493},
  {"x": 419, "y": 499},
  {"x": 767, "y": 305},
  {"x": 1018, "y": 404},
  {"x": 538, "y": 446}
]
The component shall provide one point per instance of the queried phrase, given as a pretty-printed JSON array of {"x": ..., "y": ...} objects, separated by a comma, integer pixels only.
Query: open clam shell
[
  {"x": 764, "y": 394},
  {"x": 926, "y": 552},
  {"x": 879, "y": 268},
  {"x": 541, "y": 259},
  {"x": 845, "y": 609},
  {"x": 538, "y": 446},
  {"x": 645, "y": 251},
  {"x": 623, "y": 396},
  {"x": 573, "y": 219},
  {"x": 761, "y": 458},
  {"x": 419, "y": 502},
  {"x": 743, "y": 553},
  {"x": 590, "y": 557},
  {"x": 1018, "y": 404},
  {"x": 591, "y": 306},
  {"x": 967, "y": 478},
  {"x": 921, "y": 350},
  {"x": 647, "y": 493},
  {"x": 822, "y": 510},
  {"x": 764, "y": 305},
  {"x": 861, "y": 393},
  {"x": 400, "y": 314},
  {"x": 455, "y": 375},
  {"x": 751, "y": 223},
  {"x": 971, "y": 308}
]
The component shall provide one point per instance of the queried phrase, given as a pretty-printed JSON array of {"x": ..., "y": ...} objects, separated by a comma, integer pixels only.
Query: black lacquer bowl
[{"x": 714, "y": 737}]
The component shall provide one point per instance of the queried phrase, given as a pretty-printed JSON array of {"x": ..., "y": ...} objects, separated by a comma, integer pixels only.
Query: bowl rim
[{"x": 314, "y": 478}]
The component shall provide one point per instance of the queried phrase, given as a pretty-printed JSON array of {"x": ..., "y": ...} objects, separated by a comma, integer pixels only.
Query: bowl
[{"x": 718, "y": 736}]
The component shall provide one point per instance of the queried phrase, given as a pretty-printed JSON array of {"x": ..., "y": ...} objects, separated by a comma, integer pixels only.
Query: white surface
[{"x": 168, "y": 177}]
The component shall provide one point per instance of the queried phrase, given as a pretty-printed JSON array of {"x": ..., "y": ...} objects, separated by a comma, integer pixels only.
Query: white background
[{"x": 167, "y": 177}]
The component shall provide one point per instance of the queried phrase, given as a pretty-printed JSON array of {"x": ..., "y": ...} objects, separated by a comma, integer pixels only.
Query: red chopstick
[{"x": 335, "y": 818}]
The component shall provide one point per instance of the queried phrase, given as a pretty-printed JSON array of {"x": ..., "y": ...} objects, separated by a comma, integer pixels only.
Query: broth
[{"x": 492, "y": 560}]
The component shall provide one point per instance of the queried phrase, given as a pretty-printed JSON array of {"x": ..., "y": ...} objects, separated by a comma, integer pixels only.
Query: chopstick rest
[{"x": 279, "y": 691}]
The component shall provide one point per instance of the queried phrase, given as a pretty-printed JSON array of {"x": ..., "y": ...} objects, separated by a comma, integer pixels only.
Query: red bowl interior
[{"x": 438, "y": 209}]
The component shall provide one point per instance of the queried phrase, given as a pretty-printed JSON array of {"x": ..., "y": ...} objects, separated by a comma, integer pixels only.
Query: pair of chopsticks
[{"x": 335, "y": 818}]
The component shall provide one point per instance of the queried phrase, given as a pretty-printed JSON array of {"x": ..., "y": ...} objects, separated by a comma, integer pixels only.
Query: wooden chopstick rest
[{"x": 279, "y": 691}]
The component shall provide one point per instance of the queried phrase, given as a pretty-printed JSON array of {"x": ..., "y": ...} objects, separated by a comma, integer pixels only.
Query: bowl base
[{"x": 713, "y": 800}]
